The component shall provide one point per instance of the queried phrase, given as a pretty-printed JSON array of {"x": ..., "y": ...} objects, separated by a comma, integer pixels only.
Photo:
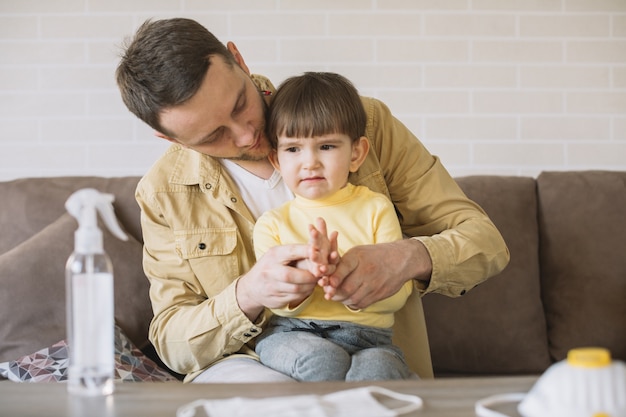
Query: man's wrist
[
  {"x": 419, "y": 262},
  {"x": 246, "y": 304}
]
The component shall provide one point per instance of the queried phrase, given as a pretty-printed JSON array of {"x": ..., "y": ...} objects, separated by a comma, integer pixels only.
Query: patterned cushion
[{"x": 50, "y": 364}]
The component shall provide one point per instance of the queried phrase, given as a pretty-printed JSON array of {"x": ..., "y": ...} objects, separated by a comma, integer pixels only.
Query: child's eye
[
  {"x": 291, "y": 149},
  {"x": 327, "y": 147}
]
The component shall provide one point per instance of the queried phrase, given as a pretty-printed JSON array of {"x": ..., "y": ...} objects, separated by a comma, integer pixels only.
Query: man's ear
[
  {"x": 238, "y": 58},
  {"x": 273, "y": 157},
  {"x": 360, "y": 148},
  {"x": 167, "y": 138}
]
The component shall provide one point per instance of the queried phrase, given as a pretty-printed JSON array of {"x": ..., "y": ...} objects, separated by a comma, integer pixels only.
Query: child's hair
[{"x": 315, "y": 104}]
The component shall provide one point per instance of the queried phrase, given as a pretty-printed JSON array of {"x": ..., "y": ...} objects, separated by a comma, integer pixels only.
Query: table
[{"x": 449, "y": 397}]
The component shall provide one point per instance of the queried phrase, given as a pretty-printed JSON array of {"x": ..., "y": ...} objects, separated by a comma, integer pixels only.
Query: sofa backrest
[
  {"x": 499, "y": 326},
  {"x": 30, "y": 204},
  {"x": 582, "y": 224},
  {"x": 564, "y": 287}
]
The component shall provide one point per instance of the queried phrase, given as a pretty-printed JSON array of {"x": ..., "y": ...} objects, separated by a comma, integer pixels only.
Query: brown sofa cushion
[
  {"x": 499, "y": 326},
  {"x": 584, "y": 283},
  {"x": 30, "y": 204},
  {"x": 32, "y": 300}
]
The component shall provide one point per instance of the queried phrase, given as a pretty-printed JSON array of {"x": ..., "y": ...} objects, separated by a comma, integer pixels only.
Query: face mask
[
  {"x": 587, "y": 384},
  {"x": 360, "y": 402}
]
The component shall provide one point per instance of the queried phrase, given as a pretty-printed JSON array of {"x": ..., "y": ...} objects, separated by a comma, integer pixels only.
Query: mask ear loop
[
  {"x": 482, "y": 406},
  {"x": 414, "y": 402}
]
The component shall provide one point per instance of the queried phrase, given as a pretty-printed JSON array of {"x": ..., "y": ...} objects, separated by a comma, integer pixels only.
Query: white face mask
[
  {"x": 587, "y": 384},
  {"x": 360, "y": 402}
]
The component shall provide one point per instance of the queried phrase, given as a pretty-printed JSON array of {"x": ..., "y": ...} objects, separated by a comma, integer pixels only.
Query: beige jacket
[{"x": 197, "y": 235}]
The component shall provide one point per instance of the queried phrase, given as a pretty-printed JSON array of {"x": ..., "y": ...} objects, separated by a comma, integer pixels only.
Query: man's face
[{"x": 224, "y": 119}]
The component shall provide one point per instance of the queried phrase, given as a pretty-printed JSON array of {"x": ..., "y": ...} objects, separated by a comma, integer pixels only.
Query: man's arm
[
  {"x": 202, "y": 310},
  {"x": 455, "y": 245}
]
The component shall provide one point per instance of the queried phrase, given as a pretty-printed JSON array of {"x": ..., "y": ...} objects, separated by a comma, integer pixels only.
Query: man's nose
[{"x": 243, "y": 134}]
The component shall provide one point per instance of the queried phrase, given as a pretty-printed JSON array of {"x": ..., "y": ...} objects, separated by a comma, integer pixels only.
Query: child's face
[{"x": 319, "y": 166}]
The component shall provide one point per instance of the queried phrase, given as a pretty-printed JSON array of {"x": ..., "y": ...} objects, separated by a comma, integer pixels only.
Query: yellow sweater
[{"x": 360, "y": 216}]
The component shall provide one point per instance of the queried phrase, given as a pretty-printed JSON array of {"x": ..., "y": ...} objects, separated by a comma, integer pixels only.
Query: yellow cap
[{"x": 590, "y": 357}]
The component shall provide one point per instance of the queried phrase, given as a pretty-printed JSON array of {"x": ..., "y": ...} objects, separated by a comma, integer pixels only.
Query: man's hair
[
  {"x": 315, "y": 104},
  {"x": 164, "y": 65}
]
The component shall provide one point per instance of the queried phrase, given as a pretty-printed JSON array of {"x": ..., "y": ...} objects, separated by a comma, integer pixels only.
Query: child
[{"x": 316, "y": 126}]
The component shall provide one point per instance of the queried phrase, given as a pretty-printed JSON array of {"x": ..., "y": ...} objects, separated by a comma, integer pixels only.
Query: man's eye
[
  {"x": 240, "y": 106},
  {"x": 217, "y": 135}
]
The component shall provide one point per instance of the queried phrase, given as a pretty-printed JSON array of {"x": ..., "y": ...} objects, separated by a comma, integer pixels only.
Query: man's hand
[
  {"x": 370, "y": 273},
  {"x": 274, "y": 282}
]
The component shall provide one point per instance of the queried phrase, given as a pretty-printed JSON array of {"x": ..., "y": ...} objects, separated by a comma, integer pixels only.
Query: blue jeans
[{"x": 316, "y": 350}]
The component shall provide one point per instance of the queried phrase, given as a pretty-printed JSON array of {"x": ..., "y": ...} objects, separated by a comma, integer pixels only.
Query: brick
[
  {"x": 565, "y": 77},
  {"x": 231, "y": 6},
  {"x": 78, "y": 78},
  {"x": 519, "y": 154},
  {"x": 597, "y": 102},
  {"x": 88, "y": 130},
  {"x": 596, "y": 51},
  {"x": 517, "y": 102},
  {"x": 18, "y": 27},
  {"x": 516, "y": 5},
  {"x": 515, "y": 51},
  {"x": 18, "y": 131},
  {"x": 15, "y": 79},
  {"x": 595, "y": 5},
  {"x": 421, "y": 5},
  {"x": 42, "y": 53},
  {"x": 276, "y": 24},
  {"x": 381, "y": 76},
  {"x": 82, "y": 27},
  {"x": 42, "y": 105},
  {"x": 56, "y": 6},
  {"x": 417, "y": 50},
  {"x": 457, "y": 76},
  {"x": 375, "y": 24},
  {"x": 425, "y": 102},
  {"x": 326, "y": 50},
  {"x": 565, "y": 128},
  {"x": 605, "y": 155},
  {"x": 330, "y": 6},
  {"x": 469, "y": 25},
  {"x": 619, "y": 128},
  {"x": 38, "y": 156},
  {"x": 471, "y": 128},
  {"x": 565, "y": 26}
]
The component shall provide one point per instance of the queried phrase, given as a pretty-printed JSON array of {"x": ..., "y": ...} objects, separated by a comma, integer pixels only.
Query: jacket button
[
  {"x": 208, "y": 186},
  {"x": 233, "y": 199},
  {"x": 463, "y": 292},
  {"x": 247, "y": 335},
  {"x": 202, "y": 246}
]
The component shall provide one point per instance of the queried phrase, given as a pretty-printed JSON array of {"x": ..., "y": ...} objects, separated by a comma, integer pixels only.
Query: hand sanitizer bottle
[{"x": 89, "y": 290}]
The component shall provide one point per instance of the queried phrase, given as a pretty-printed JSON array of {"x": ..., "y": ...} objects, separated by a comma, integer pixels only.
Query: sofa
[{"x": 565, "y": 286}]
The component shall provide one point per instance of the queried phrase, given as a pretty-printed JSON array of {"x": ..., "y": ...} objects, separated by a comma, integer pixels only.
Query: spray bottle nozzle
[{"x": 83, "y": 205}]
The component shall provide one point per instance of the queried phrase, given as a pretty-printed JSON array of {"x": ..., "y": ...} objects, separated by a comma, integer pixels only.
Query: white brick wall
[{"x": 491, "y": 86}]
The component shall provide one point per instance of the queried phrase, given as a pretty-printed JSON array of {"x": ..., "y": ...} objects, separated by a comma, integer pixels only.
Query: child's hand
[{"x": 323, "y": 255}]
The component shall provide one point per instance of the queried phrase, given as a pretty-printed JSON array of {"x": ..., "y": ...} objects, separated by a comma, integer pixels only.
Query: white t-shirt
[{"x": 259, "y": 194}]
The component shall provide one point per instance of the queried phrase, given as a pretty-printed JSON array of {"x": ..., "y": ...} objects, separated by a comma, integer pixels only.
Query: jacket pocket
[{"x": 198, "y": 243}]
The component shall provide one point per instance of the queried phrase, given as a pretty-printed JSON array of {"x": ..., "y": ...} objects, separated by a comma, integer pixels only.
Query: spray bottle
[{"x": 89, "y": 289}]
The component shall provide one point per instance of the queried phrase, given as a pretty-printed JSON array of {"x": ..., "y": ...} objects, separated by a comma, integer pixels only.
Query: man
[{"x": 199, "y": 203}]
